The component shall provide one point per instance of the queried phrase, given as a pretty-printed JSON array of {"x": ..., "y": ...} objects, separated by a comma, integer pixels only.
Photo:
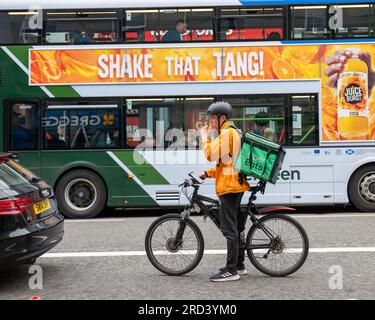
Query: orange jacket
[{"x": 223, "y": 148}]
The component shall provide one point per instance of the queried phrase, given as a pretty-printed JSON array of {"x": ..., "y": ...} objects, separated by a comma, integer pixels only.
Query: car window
[
  {"x": 3, "y": 185},
  {"x": 11, "y": 177}
]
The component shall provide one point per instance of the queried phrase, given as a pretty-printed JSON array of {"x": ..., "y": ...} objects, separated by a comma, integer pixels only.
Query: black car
[{"x": 30, "y": 223}]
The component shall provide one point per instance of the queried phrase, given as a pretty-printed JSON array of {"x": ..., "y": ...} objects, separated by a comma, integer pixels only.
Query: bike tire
[
  {"x": 281, "y": 273},
  {"x": 151, "y": 256}
]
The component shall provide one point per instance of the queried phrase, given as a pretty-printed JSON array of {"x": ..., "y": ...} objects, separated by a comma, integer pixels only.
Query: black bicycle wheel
[
  {"x": 289, "y": 251},
  {"x": 164, "y": 254}
]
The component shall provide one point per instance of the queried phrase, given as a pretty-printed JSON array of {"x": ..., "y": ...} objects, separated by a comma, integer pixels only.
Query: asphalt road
[{"x": 104, "y": 259}]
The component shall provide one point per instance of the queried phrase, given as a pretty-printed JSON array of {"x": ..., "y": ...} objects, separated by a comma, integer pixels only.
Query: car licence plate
[{"x": 42, "y": 206}]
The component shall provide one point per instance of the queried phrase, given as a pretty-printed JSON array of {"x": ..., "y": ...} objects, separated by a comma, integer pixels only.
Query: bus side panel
[
  {"x": 54, "y": 164},
  {"x": 14, "y": 81},
  {"x": 30, "y": 160}
]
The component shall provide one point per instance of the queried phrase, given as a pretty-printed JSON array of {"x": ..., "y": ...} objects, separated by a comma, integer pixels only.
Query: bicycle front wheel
[
  {"x": 169, "y": 253},
  {"x": 286, "y": 253}
]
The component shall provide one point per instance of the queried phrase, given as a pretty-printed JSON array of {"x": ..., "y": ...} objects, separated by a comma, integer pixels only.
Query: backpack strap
[
  {"x": 235, "y": 128},
  {"x": 241, "y": 176}
]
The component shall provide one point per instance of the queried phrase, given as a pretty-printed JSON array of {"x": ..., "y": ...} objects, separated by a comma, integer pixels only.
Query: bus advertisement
[{"x": 347, "y": 112}]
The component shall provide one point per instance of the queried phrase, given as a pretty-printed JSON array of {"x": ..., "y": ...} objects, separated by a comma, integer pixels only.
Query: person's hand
[
  {"x": 336, "y": 62},
  {"x": 202, "y": 176},
  {"x": 204, "y": 133},
  {"x": 335, "y": 65}
]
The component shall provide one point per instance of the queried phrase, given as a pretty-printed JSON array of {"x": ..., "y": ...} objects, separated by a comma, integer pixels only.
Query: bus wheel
[
  {"x": 81, "y": 194},
  {"x": 362, "y": 188}
]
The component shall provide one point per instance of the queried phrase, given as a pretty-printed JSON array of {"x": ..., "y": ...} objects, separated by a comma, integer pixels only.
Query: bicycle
[{"x": 180, "y": 249}]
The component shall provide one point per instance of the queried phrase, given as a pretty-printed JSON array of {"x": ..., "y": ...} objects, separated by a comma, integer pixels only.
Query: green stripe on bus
[
  {"x": 21, "y": 90},
  {"x": 145, "y": 172},
  {"x": 21, "y": 53},
  {"x": 134, "y": 195}
]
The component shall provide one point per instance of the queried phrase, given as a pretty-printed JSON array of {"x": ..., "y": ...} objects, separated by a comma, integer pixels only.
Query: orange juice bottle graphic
[{"x": 353, "y": 122}]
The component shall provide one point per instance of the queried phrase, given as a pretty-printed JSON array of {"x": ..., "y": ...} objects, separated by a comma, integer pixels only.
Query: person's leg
[
  {"x": 241, "y": 220},
  {"x": 229, "y": 227}
]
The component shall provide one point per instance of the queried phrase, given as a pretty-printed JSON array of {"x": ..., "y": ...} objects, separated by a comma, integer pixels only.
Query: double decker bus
[{"x": 105, "y": 99}]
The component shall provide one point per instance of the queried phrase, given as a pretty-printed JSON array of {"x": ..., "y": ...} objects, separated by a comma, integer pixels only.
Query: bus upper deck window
[
  {"x": 309, "y": 22},
  {"x": 251, "y": 24},
  {"x": 168, "y": 25},
  {"x": 82, "y": 27},
  {"x": 355, "y": 21},
  {"x": 16, "y": 29}
]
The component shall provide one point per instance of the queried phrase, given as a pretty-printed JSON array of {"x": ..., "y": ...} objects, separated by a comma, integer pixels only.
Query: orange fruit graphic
[{"x": 282, "y": 69}]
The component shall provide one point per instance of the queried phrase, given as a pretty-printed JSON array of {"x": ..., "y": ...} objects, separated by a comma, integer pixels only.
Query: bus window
[
  {"x": 173, "y": 26},
  {"x": 304, "y": 121},
  {"x": 82, "y": 27},
  {"x": 179, "y": 25},
  {"x": 132, "y": 126},
  {"x": 251, "y": 24},
  {"x": 355, "y": 22},
  {"x": 168, "y": 25},
  {"x": 19, "y": 27},
  {"x": 159, "y": 123},
  {"x": 264, "y": 116},
  {"x": 141, "y": 26},
  {"x": 195, "y": 118},
  {"x": 309, "y": 22},
  {"x": 201, "y": 25},
  {"x": 24, "y": 129},
  {"x": 81, "y": 127}
]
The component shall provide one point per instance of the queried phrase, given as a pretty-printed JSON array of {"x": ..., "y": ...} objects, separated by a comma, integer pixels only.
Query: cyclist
[{"x": 230, "y": 187}]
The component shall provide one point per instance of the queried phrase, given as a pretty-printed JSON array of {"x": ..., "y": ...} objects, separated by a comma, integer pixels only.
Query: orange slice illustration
[
  {"x": 319, "y": 55},
  {"x": 282, "y": 69}
]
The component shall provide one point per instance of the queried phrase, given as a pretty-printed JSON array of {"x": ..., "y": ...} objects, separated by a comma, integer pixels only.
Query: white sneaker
[
  {"x": 242, "y": 272},
  {"x": 225, "y": 276}
]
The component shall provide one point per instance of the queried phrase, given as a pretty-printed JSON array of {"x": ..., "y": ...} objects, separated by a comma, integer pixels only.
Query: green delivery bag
[{"x": 259, "y": 158}]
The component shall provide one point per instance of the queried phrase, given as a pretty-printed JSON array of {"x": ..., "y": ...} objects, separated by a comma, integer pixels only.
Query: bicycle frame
[{"x": 251, "y": 210}]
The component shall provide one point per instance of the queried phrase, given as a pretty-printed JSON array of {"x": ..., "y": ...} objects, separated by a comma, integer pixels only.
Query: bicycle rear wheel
[
  {"x": 168, "y": 255},
  {"x": 288, "y": 252}
]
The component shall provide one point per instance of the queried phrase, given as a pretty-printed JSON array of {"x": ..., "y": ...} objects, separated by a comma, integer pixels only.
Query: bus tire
[
  {"x": 361, "y": 188},
  {"x": 81, "y": 194}
]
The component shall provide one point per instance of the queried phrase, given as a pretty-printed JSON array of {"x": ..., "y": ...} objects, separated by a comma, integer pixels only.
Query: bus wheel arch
[
  {"x": 361, "y": 187},
  {"x": 82, "y": 193}
]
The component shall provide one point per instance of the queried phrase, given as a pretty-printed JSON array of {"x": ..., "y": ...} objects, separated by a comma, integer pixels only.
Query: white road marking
[
  {"x": 315, "y": 216},
  {"x": 206, "y": 252}
]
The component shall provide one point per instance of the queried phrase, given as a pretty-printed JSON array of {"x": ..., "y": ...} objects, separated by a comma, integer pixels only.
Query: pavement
[{"x": 105, "y": 259}]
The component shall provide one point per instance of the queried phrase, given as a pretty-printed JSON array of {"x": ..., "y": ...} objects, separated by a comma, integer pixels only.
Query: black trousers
[{"x": 232, "y": 222}]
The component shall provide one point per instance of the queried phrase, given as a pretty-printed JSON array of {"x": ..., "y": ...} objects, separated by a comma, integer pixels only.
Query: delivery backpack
[{"x": 259, "y": 157}]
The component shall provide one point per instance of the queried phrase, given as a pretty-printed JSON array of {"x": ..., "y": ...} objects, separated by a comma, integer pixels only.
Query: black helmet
[{"x": 220, "y": 108}]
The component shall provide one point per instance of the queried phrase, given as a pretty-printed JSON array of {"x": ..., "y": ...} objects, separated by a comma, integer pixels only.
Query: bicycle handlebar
[{"x": 195, "y": 180}]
